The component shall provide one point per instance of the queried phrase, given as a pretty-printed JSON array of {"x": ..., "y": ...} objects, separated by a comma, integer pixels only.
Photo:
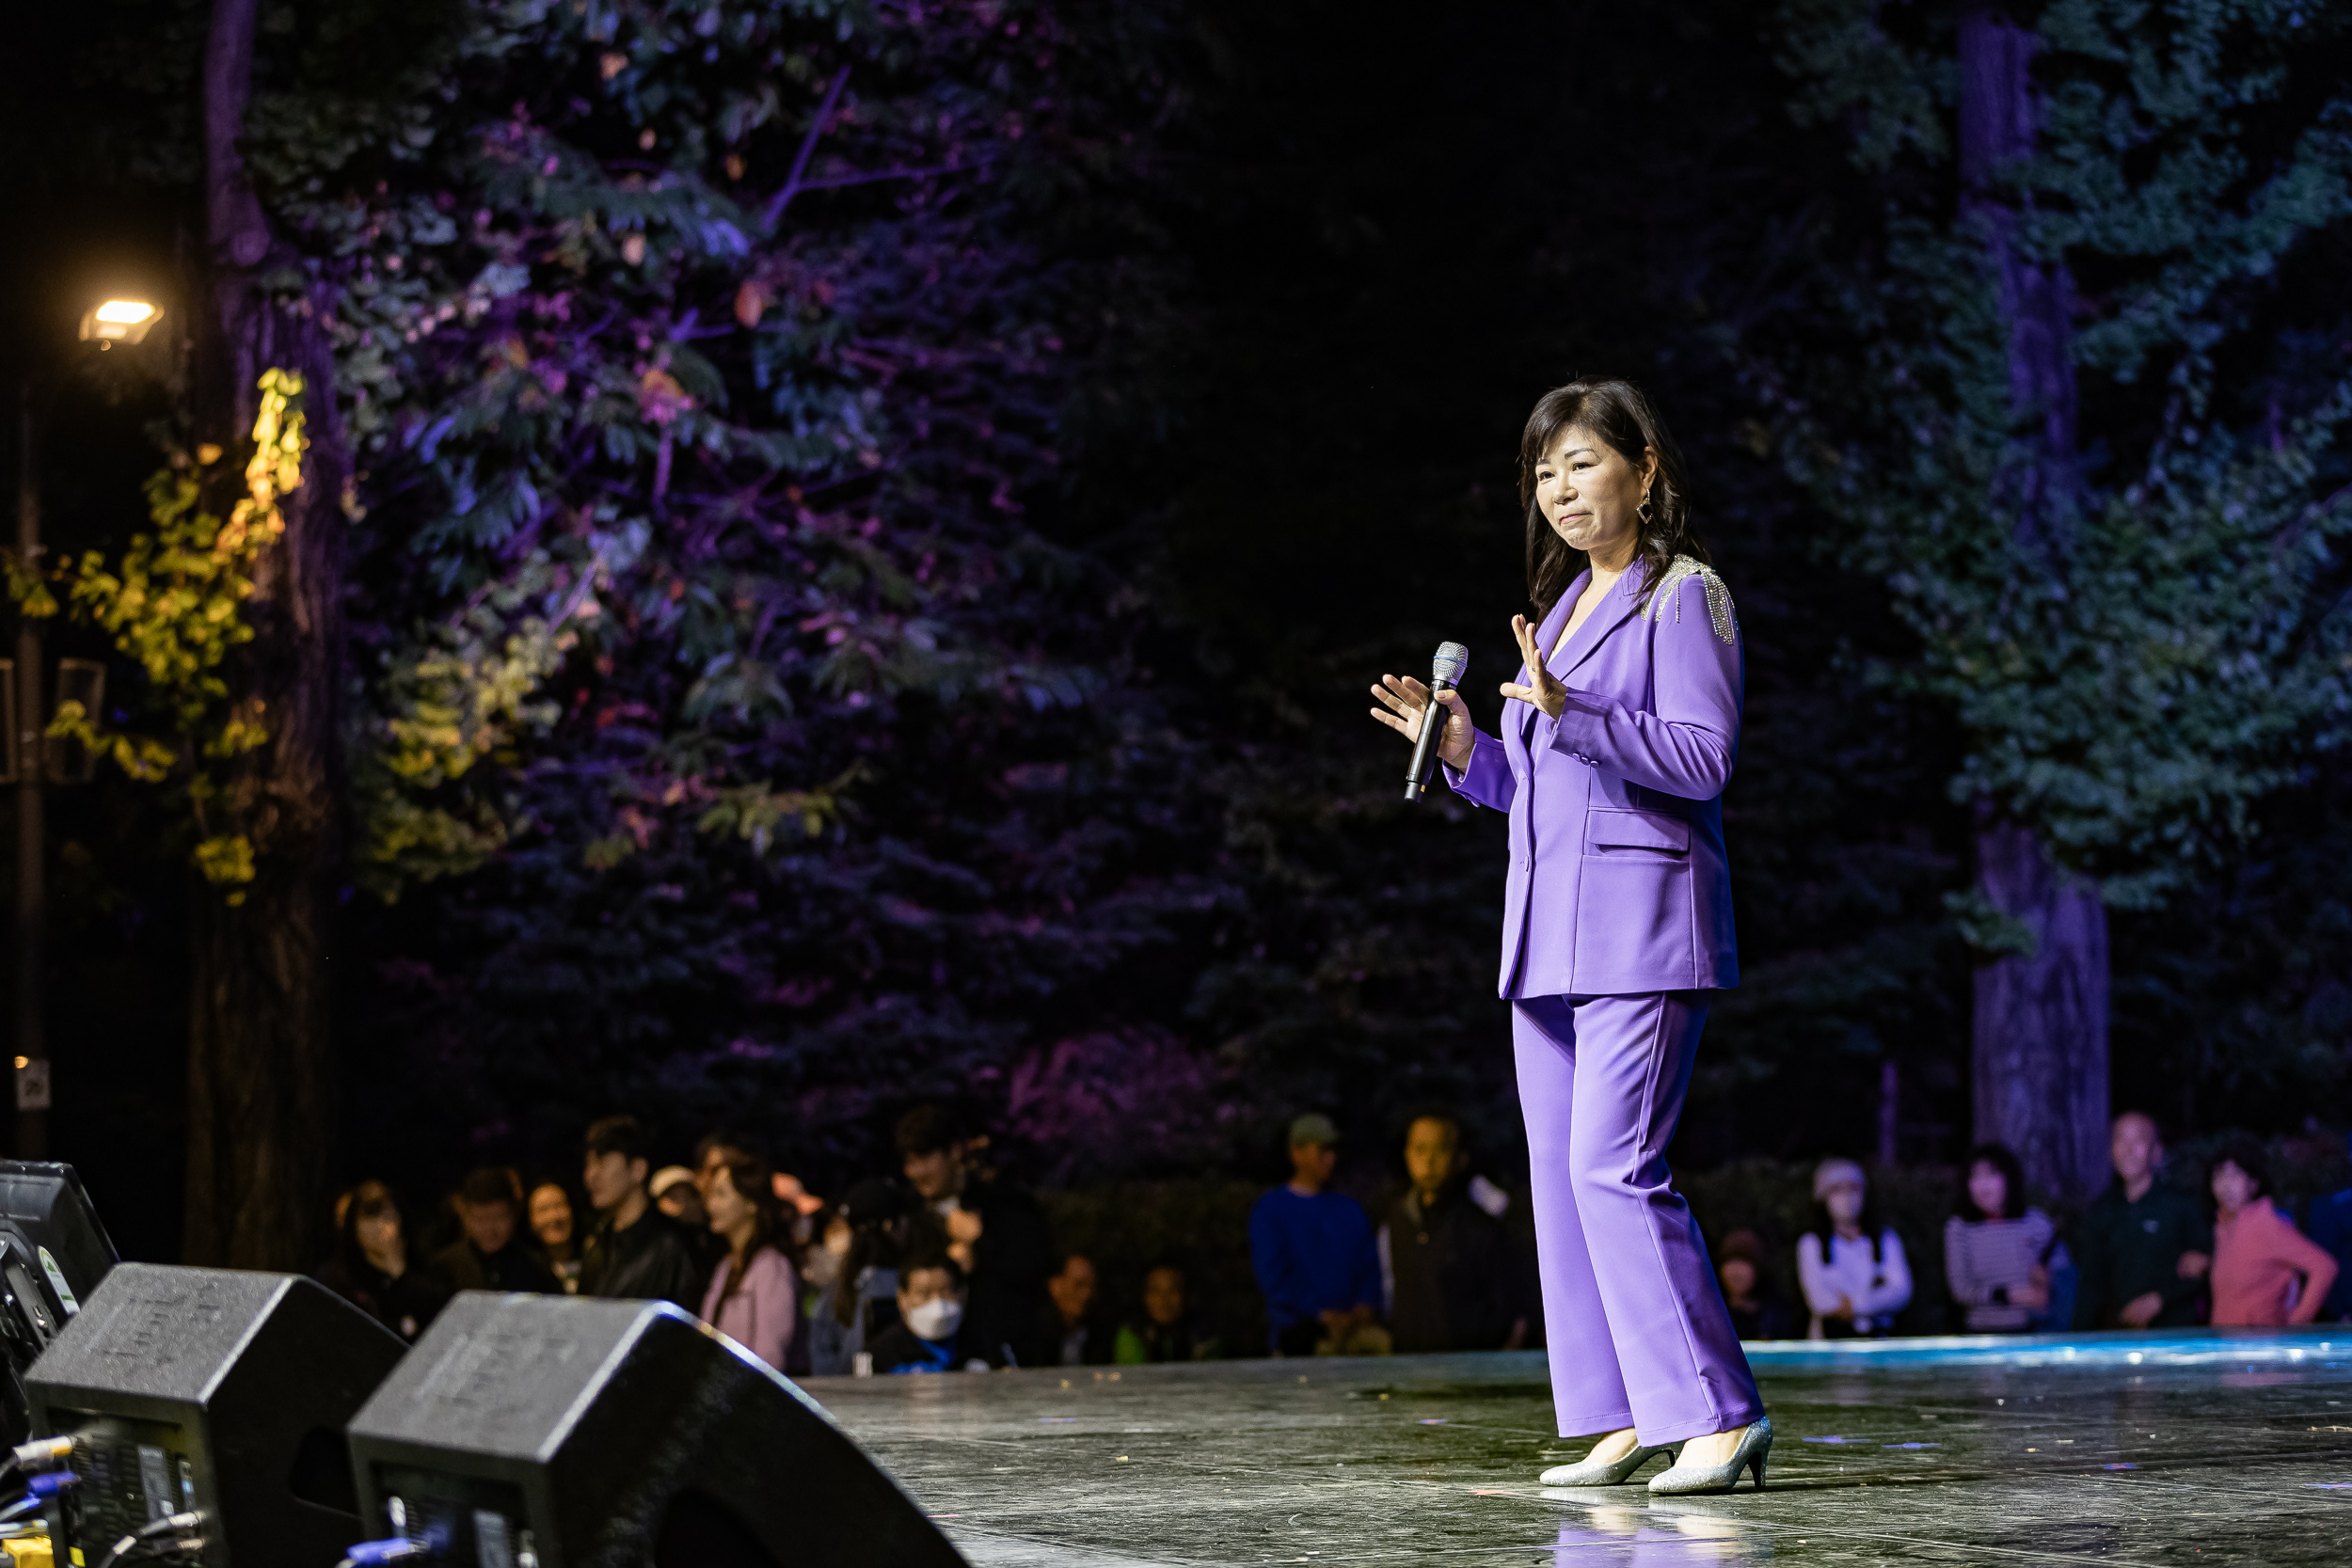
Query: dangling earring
[{"x": 1642, "y": 511}]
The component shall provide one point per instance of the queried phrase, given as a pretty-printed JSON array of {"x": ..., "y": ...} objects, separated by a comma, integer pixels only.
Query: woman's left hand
[{"x": 1542, "y": 690}]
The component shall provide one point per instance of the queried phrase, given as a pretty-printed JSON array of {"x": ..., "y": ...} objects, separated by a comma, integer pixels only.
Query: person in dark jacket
[
  {"x": 1073, "y": 1329},
  {"x": 493, "y": 1254},
  {"x": 2141, "y": 1249},
  {"x": 995, "y": 1232},
  {"x": 1166, "y": 1331},
  {"x": 1454, "y": 1272},
  {"x": 930, "y": 1335},
  {"x": 635, "y": 1250},
  {"x": 371, "y": 1268},
  {"x": 2328, "y": 1222},
  {"x": 1756, "y": 1312}
]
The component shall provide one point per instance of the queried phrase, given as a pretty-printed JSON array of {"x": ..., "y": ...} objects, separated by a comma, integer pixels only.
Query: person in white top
[{"x": 1853, "y": 1280}]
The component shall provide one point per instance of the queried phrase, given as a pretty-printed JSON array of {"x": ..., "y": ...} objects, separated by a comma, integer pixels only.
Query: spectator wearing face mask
[
  {"x": 927, "y": 1337},
  {"x": 552, "y": 1223},
  {"x": 493, "y": 1254},
  {"x": 1853, "y": 1272},
  {"x": 996, "y": 1234}
]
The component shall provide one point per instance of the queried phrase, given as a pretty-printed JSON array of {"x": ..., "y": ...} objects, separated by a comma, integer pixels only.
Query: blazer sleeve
[
  {"x": 1687, "y": 747},
  {"x": 1488, "y": 780}
]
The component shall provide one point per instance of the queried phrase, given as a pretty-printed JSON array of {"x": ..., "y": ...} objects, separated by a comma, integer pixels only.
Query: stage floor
[{"x": 2109, "y": 1448}]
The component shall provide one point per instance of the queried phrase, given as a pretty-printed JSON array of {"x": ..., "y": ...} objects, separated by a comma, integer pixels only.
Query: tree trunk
[
  {"x": 2040, "y": 1021},
  {"x": 2041, "y": 1067},
  {"x": 260, "y": 1084}
]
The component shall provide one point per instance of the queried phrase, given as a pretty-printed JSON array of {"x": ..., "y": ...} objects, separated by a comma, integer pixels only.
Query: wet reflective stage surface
[{"x": 2209, "y": 1449}]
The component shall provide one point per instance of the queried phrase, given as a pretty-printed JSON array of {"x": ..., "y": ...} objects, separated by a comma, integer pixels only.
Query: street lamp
[
  {"x": 119, "y": 320},
  {"x": 32, "y": 761}
]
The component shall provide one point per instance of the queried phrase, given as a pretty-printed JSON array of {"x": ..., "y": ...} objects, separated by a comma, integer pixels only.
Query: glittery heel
[
  {"x": 1755, "y": 1444},
  {"x": 1602, "y": 1472}
]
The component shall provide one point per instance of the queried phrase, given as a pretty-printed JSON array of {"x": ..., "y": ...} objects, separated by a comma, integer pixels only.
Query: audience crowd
[{"x": 948, "y": 1265}]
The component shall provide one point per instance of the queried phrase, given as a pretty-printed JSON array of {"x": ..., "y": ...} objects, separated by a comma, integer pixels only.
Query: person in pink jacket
[
  {"x": 1617, "y": 739},
  {"x": 2264, "y": 1272},
  {"x": 753, "y": 1297}
]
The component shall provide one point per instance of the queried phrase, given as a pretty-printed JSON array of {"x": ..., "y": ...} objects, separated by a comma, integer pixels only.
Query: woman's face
[
  {"x": 379, "y": 1237},
  {"x": 730, "y": 1211},
  {"x": 1988, "y": 1188},
  {"x": 551, "y": 1215},
  {"x": 2232, "y": 1187},
  {"x": 1738, "y": 1277},
  {"x": 1844, "y": 1202},
  {"x": 1591, "y": 494}
]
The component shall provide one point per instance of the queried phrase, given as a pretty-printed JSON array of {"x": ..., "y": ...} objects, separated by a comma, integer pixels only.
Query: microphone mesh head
[{"x": 1450, "y": 665}]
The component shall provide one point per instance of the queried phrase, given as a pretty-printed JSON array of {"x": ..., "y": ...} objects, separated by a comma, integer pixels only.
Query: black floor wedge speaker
[
  {"x": 544, "y": 1431},
  {"x": 52, "y": 1253},
  {"x": 210, "y": 1391}
]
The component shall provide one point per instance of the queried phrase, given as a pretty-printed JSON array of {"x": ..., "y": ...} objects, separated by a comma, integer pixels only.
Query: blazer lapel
[
  {"x": 1546, "y": 634},
  {"x": 1606, "y": 617}
]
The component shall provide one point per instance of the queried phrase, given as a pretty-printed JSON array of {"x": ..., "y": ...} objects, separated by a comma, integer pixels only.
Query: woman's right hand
[{"x": 1405, "y": 701}]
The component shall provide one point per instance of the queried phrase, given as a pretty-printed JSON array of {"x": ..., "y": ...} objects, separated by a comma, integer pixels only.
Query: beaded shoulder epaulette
[{"x": 1719, "y": 608}]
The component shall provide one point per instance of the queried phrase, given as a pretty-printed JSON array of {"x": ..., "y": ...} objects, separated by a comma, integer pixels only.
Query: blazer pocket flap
[{"x": 1606, "y": 829}]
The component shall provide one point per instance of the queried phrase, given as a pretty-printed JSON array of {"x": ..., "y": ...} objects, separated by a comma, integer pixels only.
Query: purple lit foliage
[{"x": 731, "y": 734}]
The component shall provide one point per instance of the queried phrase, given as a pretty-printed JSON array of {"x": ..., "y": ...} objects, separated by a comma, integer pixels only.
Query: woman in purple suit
[{"x": 1617, "y": 739}]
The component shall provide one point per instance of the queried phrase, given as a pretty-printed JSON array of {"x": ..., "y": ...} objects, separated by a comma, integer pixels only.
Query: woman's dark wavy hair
[
  {"x": 756, "y": 1184},
  {"x": 2246, "y": 1155},
  {"x": 1615, "y": 410},
  {"x": 2000, "y": 1158}
]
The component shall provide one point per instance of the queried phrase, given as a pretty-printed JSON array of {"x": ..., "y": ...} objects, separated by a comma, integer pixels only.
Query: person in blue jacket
[{"x": 1314, "y": 1255}]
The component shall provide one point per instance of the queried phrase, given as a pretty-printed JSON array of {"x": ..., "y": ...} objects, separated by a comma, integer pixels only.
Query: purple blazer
[{"x": 1618, "y": 882}]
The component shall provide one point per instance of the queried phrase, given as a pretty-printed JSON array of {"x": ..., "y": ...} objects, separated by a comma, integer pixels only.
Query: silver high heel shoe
[
  {"x": 1602, "y": 1472},
  {"x": 1755, "y": 1444}
]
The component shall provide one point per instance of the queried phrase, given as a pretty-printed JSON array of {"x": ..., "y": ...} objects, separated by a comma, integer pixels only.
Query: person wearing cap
[
  {"x": 1617, "y": 737},
  {"x": 1854, "y": 1276},
  {"x": 1313, "y": 1253}
]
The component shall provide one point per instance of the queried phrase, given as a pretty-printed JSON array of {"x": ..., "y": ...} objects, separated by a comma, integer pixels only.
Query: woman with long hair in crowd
[
  {"x": 753, "y": 1297},
  {"x": 1997, "y": 1250},
  {"x": 2265, "y": 1273},
  {"x": 1617, "y": 737},
  {"x": 372, "y": 1269}
]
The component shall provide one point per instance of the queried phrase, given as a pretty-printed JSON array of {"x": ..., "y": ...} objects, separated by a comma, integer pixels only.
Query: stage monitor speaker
[
  {"x": 544, "y": 1431},
  {"x": 210, "y": 1391},
  {"x": 52, "y": 1254}
]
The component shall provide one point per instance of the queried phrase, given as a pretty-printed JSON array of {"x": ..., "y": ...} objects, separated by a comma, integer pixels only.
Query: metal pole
[{"x": 32, "y": 1043}]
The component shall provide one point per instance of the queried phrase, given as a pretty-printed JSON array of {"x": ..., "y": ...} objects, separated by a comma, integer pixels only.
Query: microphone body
[{"x": 1445, "y": 674}]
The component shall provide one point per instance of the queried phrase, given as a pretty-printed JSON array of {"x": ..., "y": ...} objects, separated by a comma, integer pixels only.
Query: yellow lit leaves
[{"x": 172, "y": 603}]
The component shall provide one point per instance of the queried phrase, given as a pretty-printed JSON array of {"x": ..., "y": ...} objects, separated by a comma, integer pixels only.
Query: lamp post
[{"x": 105, "y": 323}]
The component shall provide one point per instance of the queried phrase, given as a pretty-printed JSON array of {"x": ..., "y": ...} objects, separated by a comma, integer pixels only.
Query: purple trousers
[{"x": 1638, "y": 1331}]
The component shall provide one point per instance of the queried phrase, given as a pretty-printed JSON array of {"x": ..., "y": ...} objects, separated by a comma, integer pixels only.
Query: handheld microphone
[{"x": 1445, "y": 674}]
